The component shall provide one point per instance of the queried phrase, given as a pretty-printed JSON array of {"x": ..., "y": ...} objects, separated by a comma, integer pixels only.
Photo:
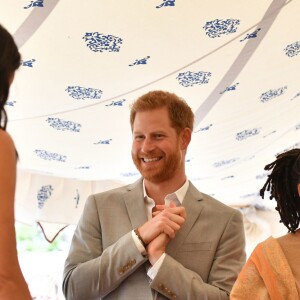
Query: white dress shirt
[{"x": 177, "y": 198}]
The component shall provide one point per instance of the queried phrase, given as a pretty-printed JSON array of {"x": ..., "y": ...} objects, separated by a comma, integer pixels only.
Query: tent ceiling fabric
[{"x": 236, "y": 63}]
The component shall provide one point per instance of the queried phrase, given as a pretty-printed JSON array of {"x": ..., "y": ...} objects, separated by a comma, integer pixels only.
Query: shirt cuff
[
  {"x": 138, "y": 243},
  {"x": 152, "y": 272}
]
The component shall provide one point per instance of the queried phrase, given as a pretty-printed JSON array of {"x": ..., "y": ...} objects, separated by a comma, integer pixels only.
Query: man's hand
[
  {"x": 180, "y": 211},
  {"x": 157, "y": 247},
  {"x": 167, "y": 220}
]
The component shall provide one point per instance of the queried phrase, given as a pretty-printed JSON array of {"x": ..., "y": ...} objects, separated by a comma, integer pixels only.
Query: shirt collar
[{"x": 179, "y": 194}]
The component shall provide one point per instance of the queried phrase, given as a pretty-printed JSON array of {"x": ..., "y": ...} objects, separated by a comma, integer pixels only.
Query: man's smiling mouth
[{"x": 151, "y": 159}]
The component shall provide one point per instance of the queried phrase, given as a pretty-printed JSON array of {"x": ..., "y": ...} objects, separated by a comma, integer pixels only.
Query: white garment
[{"x": 177, "y": 198}]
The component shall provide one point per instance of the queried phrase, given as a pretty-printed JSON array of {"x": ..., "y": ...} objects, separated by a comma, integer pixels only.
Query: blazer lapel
[
  {"x": 135, "y": 205},
  {"x": 192, "y": 204}
]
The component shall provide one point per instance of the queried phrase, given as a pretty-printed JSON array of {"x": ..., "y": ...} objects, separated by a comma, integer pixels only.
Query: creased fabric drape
[{"x": 266, "y": 275}]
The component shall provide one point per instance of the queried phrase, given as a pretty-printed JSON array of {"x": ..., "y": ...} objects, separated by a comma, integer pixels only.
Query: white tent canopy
[{"x": 236, "y": 63}]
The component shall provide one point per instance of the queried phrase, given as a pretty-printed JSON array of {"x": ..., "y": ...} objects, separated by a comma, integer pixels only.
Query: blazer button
[{"x": 122, "y": 270}]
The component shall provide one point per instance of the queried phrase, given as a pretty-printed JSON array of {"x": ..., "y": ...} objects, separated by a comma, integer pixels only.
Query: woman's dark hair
[
  {"x": 283, "y": 186},
  {"x": 10, "y": 60}
]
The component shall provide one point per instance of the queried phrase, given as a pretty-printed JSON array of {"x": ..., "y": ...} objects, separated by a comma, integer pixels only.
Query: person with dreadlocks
[
  {"x": 273, "y": 269},
  {"x": 12, "y": 282}
]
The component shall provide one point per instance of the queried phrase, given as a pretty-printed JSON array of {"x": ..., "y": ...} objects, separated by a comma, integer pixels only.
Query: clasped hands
[{"x": 158, "y": 231}]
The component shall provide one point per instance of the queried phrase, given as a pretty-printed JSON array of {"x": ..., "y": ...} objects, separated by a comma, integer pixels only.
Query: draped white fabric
[{"x": 236, "y": 63}]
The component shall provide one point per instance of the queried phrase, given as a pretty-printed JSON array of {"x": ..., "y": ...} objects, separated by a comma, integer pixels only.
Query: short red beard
[{"x": 163, "y": 173}]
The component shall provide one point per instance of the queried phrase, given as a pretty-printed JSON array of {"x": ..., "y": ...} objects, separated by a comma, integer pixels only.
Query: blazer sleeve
[
  {"x": 90, "y": 271},
  {"x": 228, "y": 260}
]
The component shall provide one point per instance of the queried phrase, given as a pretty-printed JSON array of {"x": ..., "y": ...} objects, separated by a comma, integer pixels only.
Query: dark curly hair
[
  {"x": 283, "y": 186},
  {"x": 10, "y": 60}
]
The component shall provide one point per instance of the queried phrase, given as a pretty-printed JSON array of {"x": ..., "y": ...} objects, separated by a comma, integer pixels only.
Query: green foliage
[{"x": 31, "y": 238}]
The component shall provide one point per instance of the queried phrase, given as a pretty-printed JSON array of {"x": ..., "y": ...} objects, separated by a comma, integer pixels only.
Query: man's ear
[{"x": 186, "y": 136}]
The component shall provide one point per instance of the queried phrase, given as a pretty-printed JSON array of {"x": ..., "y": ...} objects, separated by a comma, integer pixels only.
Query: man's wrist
[
  {"x": 136, "y": 231},
  {"x": 153, "y": 270}
]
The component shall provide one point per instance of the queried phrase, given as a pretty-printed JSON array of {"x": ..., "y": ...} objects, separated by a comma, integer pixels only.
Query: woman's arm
[{"x": 12, "y": 283}]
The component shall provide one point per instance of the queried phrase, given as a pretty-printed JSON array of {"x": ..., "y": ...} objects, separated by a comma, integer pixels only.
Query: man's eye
[
  {"x": 159, "y": 136},
  {"x": 138, "y": 138}
]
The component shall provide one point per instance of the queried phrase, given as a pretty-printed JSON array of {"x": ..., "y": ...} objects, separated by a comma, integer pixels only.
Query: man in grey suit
[{"x": 158, "y": 238}]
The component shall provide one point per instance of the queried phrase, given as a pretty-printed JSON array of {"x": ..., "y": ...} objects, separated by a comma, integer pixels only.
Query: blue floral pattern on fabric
[
  {"x": 103, "y": 142},
  {"x": 28, "y": 63},
  {"x": 240, "y": 136},
  {"x": 251, "y": 35},
  {"x": 37, "y": 3},
  {"x": 99, "y": 42},
  {"x": 166, "y": 3},
  {"x": 230, "y": 88},
  {"x": 50, "y": 155},
  {"x": 116, "y": 103},
  {"x": 271, "y": 94},
  {"x": 84, "y": 168},
  {"x": 222, "y": 163},
  {"x": 191, "y": 78},
  {"x": 292, "y": 49},
  {"x": 206, "y": 128},
  {"x": 78, "y": 92},
  {"x": 274, "y": 131},
  {"x": 227, "y": 177},
  {"x": 10, "y": 103},
  {"x": 60, "y": 124},
  {"x": 219, "y": 27},
  {"x": 129, "y": 174},
  {"x": 142, "y": 61},
  {"x": 43, "y": 195},
  {"x": 297, "y": 95}
]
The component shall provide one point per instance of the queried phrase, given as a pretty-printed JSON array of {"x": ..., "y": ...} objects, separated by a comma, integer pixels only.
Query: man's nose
[{"x": 148, "y": 145}]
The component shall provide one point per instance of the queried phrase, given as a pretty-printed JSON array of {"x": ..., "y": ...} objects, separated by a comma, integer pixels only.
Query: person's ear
[{"x": 186, "y": 136}]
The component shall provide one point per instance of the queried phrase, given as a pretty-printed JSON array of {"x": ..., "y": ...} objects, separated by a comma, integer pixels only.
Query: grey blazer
[{"x": 202, "y": 261}]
